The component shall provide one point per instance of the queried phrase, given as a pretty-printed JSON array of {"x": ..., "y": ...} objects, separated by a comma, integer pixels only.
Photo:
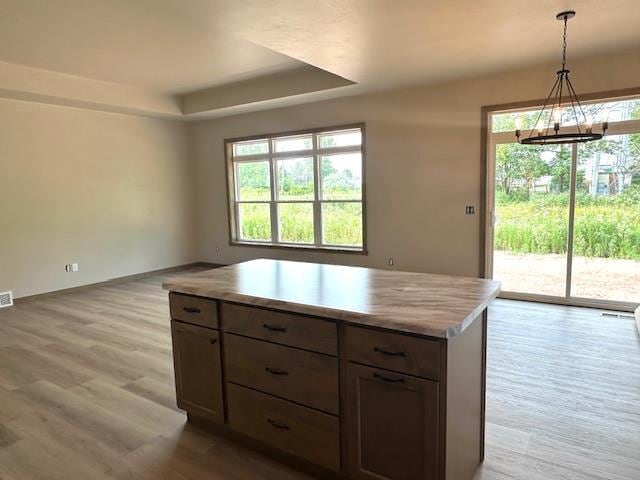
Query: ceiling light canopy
[{"x": 561, "y": 106}]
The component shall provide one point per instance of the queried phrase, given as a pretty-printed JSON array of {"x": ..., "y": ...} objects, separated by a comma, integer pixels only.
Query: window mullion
[
  {"x": 317, "y": 214},
  {"x": 275, "y": 234}
]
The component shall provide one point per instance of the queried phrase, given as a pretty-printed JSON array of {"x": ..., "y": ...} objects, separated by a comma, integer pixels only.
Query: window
[{"x": 302, "y": 190}]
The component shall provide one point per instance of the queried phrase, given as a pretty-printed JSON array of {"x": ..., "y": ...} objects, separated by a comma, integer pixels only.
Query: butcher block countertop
[{"x": 419, "y": 303}]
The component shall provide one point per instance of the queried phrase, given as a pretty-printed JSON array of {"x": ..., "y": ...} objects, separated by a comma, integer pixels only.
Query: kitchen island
[{"x": 349, "y": 372}]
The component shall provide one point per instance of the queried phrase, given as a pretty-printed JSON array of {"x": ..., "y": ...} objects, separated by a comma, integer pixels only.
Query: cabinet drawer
[
  {"x": 294, "y": 429},
  {"x": 307, "y": 378},
  {"x": 401, "y": 353},
  {"x": 285, "y": 328},
  {"x": 195, "y": 310}
]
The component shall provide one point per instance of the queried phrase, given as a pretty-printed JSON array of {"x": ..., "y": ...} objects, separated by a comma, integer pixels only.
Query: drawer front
[
  {"x": 194, "y": 310},
  {"x": 294, "y": 429},
  {"x": 400, "y": 353},
  {"x": 284, "y": 328},
  {"x": 307, "y": 378}
]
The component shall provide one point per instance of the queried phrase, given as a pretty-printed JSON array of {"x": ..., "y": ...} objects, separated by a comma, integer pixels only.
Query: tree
[
  {"x": 560, "y": 169},
  {"x": 516, "y": 164}
]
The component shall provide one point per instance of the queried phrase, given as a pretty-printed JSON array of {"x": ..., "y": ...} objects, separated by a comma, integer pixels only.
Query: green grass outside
[
  {"x": 341, "y": 223},
  {"x": 604, "y": 227}
]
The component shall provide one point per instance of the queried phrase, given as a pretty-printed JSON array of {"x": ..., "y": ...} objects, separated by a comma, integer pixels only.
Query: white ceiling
[
  {"x": 389, "y": 42},
  {"x": 182, "y": 46},
  {"x": 130, "y": 42}
]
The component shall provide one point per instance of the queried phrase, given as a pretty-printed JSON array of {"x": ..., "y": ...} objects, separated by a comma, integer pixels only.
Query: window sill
[{"x": 312, "y": 248}]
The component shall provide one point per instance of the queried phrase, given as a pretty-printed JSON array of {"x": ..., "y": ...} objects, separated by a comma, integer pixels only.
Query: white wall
[
  {"x": 111, "y": 192},
  {"x": 423, "y": 163}
]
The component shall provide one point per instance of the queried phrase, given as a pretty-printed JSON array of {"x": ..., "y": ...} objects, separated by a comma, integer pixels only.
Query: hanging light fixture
[{"x": 562, "y": 98}]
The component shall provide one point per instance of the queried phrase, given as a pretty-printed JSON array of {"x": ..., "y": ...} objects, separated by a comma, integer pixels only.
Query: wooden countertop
[{"x": 425, "y": 304}]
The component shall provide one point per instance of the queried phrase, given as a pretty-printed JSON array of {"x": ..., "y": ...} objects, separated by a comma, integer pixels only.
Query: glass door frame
[{"x": 490, "y": 142}]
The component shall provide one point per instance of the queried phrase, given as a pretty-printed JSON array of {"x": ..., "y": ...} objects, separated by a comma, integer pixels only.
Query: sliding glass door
[
  {"x": 531, "y": 220},
  {"x": 564, "y": 221},
  {"x": 606, "y": 236}
]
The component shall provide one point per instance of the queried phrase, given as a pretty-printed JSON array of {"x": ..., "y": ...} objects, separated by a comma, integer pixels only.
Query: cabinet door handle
[
  {"x": 388, "y": 379},
  {"x": 275, "y": 371},
  {"x": 273, "y": 328},
  {"x": 191, "y": 309},
  {"x": 280, "y": 426},
  {"x": 213, "y": 341},
  {"x": 388, "y": 353}
]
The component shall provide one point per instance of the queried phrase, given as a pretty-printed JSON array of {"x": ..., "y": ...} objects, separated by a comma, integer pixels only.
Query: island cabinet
[
  {"x": 392, "y": 413},
  {"x": 363, "y": 403},
  {"x": 196, "y": 357}
]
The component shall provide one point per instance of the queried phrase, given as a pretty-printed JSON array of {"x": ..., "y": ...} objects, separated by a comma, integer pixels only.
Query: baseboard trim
[{"x": 53, "y": 293}]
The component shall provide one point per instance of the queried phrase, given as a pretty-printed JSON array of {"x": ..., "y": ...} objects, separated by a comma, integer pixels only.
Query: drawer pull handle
[
  {"x": 280, "y": 426},
  {"x": 275, "y": 371},
  {"x": 388, "y": 379},
  {"x": 213, "y": 341},
  {"x": 273, "y": 328},
  {"x": 191, "y": 309},
  {"x": 388, "y": 353}
]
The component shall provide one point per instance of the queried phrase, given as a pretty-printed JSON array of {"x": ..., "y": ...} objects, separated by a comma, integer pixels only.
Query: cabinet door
[
  {"x": 196, "y": 357},
  {"x": 392, "y": 425}
]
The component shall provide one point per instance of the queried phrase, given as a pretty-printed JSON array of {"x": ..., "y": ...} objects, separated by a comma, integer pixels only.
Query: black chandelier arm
[
  {"x": 572, "y": 96},
  {"x": 546, "y": 102},
  {"x": 561, "y": 77},
  {"x": 575, "y": 95}
]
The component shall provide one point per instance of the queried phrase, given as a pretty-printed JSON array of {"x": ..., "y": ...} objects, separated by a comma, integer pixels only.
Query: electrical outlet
[
  {"x": 391, "y": 262},
  {"x": 470, "y": 210},
  {"x": 74, "y": 267},
  {"x": 67, "y": 268},
  {"x": 217, "y": 249}
]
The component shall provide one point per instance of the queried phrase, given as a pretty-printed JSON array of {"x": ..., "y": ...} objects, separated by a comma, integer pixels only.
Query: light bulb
[
  {"x": 539, "y": 127},
  {"x": 557, "y": 115},
  {"x": 518, "y": 123},
  {"x": 589, "y": 123}
]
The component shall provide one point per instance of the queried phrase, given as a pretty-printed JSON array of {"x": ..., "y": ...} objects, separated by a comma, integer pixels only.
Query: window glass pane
[
  {"x": 295, "y": 222},
  {"x": 506, "y": 122},
  {"x": 613, "y": 111},
  {"x": 341, "y": 176},
  {"x": 532, "y": 218},
  {"x": 342, "y": 224},
  {"x": 606, "y": 240},
  {"x": 253, "y": 181},
  {"x": 344, "y": 138},
  {"x": 252, "y": 147},
  {"x": 255, "y": 221},
  {"x": 293, "y": 144},
  {"x": 295, "y": 179}
]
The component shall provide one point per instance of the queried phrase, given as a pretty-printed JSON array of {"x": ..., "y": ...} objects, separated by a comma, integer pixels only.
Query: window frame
[{"x": 272, "y": 158}]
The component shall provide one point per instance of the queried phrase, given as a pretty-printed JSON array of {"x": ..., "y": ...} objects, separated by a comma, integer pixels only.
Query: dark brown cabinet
[
  {"x": 392, "y": 425},
  {"x": 367, "y": 403},
  {"x": 196, "y": 355}
]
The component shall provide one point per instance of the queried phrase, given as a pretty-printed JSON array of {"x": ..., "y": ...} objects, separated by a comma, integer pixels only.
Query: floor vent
[{"x": 6, "y": 299}]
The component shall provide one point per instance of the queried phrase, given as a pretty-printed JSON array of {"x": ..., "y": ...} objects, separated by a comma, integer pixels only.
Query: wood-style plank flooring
[{"x": 86, "y": 392}]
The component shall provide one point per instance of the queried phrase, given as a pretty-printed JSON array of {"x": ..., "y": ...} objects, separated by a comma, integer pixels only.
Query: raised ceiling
[{"x": 174, "y": 52}]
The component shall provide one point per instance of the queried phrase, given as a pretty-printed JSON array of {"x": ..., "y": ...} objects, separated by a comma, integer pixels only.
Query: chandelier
[{"x": 562, "y": 103}]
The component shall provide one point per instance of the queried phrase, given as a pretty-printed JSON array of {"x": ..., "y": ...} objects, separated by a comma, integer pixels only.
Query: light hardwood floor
[{"x": 86, "y": 392}]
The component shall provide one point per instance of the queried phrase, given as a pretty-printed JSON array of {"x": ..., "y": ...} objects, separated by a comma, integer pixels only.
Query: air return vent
[{"x": 6, "y": 299}]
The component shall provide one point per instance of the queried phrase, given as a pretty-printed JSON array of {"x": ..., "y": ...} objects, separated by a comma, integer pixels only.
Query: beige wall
[
  {"x": 111, "y": 192},
  {"x": 423, "y": 163}
]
